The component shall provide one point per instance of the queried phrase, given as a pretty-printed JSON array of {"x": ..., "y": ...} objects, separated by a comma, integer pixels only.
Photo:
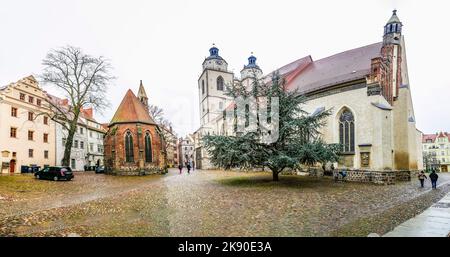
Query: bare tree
[
  {"x": 82, "y": 79},
  {"x": 157, "y": 114}
]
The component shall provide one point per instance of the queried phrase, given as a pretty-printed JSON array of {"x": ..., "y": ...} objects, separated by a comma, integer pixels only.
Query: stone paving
[
  {"x": 203, "y": 203},
  {"x": 434, "y": 222}
]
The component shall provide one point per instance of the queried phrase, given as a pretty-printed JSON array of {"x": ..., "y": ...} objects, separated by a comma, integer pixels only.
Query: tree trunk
[
  {"x": 275, "y": 175},
  {"x": 68, "y": 146}
]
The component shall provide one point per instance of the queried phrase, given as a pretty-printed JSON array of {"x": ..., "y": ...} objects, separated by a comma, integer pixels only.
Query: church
[
  {"x": 367, "y": 89},
  {"x": 134, "y": 144}
]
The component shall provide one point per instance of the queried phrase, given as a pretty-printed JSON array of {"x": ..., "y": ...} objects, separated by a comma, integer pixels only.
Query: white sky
[{"x": 165, "y": 42}]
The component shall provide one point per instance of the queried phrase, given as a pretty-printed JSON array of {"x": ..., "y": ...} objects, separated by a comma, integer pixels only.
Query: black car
[
  {"x": 55, "y": 173},
  {"x": 100, "y": 169}
]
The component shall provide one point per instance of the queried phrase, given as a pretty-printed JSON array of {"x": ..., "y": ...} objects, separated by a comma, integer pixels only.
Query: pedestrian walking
[
  {"x": 422, "y": 178},
  {"x": 188, "y": 166},
  {"x": 193, "y": 165},
  {"x": 433, "y": 177},
  {"x": 180, "y": 167}
]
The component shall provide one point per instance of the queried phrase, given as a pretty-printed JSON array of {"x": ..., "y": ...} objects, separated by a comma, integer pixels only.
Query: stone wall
[{"x": 385, "y": 177}]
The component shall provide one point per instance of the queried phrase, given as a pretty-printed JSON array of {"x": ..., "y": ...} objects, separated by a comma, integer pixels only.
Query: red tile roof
[
  {"x": 131, "y": 110},
  {"x": 336, "y": 69},
  {"x": 307, "y": 75},
  {"x": 433, "y": 137}
]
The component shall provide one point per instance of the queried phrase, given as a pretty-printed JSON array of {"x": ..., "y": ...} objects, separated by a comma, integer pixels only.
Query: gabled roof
[
  {"x": 131, "y": 110},
  {"x": 336, "y": 69}
]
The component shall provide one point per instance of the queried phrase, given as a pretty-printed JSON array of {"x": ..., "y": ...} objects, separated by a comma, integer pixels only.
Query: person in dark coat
[
  {"x": 188, "y": 166},
  {"x": 180, "y": 167},
  {"x": 433, "y": 177},
  {"x": 422, "y": 178}
]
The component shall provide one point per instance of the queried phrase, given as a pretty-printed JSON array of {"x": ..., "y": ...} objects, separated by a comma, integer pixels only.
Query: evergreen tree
[{"x": 299, "y": 140}]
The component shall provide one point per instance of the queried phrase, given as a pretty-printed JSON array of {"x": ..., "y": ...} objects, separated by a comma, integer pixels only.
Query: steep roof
[
  {"x": 131, "y": 110},
  {"x": 336, "y": 69}
]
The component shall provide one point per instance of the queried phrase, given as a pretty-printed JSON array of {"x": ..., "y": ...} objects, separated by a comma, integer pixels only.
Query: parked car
[
  {"x": 100, "y": 169},
  {"x": 55, "y": 173}
]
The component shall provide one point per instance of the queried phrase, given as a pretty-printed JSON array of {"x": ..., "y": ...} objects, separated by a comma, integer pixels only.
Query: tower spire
[{"x": 142, "y": 95}]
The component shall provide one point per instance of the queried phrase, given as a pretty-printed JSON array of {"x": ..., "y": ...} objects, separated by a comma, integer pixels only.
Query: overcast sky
[{"x": 165, "y": 42}]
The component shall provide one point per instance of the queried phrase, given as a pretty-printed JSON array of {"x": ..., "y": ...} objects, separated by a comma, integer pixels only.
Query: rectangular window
[
  {"x": 45, "y": 120},
  {"x": 30, "y": 135},
  {"x": 46, "y": 154},
  {"x": 90, "y": 133},
  {"x": 30, "y": 99},
  {"x": 73, "y": 164},
  {"x": 91, "y": 147},
  {"x": 30, "y": 116},
  {"x": 13, "y": 112},
  {"x": 38, "y": 102},
  {"x": 13, "y": 132},
  {"x": 81, "y": 131},
  {"x": 99, "y": 148},
  {"x": 75, "y": 144},
  {"x": 45, "y": 138},
  {"x": 30, "y": 153},
  {"x": 22, "y": 96},
  {"x": 82, "y": 144}
]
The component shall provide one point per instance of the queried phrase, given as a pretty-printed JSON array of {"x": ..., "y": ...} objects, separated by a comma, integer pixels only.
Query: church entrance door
[{"x": 12, "y": 166}]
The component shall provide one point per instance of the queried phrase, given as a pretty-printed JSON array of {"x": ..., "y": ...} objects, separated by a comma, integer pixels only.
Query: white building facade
[{"x": 87, "y": 147}]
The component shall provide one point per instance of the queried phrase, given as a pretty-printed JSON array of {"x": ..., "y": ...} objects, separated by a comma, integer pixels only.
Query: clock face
[{"x": 219, "y": 62}]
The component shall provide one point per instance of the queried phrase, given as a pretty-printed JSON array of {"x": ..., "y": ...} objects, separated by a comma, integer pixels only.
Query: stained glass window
[
  {"x": 129, "y": 155},
  {"x": 148, "y": 148}
]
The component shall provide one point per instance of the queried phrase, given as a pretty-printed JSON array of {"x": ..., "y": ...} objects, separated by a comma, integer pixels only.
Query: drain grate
[{"x": 441, "y": 205}]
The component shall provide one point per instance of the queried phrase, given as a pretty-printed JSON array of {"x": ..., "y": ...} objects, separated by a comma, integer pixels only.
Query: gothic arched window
[
  {"x": 347, "y": 131},
  {"x": 220, "y": 83},
  {"x": 129, "y": 154},
  {"x": 203, "y": 87},
  {"x": 148, "y": 147}
]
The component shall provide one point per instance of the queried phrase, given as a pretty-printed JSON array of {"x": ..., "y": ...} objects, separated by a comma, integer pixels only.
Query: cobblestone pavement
[{"x": 203, "y": 203}]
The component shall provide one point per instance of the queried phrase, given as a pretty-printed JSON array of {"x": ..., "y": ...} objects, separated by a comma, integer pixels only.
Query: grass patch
[
  {"x": 288, "y": 181},
  {"x": 21, "y": 184}
]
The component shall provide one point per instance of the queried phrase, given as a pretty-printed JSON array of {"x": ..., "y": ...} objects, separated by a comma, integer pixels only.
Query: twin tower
[{"x": 213, "y": 81}]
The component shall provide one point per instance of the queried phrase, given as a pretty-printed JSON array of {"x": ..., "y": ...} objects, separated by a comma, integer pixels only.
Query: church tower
[
  {"x": 142, "y": 96},
  {"x": 249, "y": 72},
  {"x": 212, "y": 85},
  {"x": 391, "y": 53}
]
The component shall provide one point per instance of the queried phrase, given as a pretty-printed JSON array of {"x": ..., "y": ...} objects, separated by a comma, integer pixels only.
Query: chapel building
[{"x": 134, "y": 144}]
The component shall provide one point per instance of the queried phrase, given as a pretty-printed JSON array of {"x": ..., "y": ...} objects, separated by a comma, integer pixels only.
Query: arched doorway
[{"x": 12, "y": 166}]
